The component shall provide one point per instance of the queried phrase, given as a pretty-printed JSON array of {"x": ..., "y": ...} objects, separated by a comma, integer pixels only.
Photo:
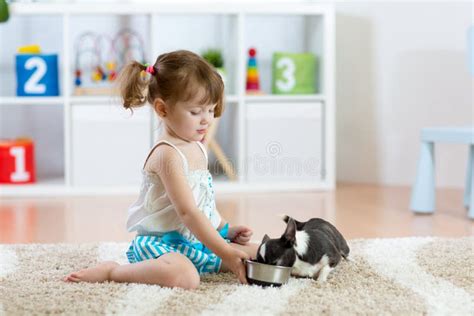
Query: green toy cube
[{"x": 294, "y": 73}]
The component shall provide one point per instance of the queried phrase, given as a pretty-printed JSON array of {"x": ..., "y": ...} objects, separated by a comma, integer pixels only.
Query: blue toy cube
[{"x": 37, "y": 75}]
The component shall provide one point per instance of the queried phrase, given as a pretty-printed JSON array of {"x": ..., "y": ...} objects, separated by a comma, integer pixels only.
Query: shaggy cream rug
[{"x": 403, "y": 276}]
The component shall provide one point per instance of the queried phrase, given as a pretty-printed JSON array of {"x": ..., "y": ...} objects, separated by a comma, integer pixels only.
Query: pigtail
[{"x": 133, "y": 86}]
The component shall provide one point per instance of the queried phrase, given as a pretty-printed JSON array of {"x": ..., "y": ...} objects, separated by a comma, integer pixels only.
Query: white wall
[{"x": 400, "y": 67}]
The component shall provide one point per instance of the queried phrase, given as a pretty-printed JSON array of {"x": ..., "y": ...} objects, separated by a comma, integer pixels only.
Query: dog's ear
[
  {"x": 289, "y": 236},
  {"x": 284, "y": 217},
  {"x": 265, "y": 239}
]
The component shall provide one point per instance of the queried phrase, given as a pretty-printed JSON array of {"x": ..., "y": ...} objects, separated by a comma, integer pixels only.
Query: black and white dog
[{"x": 312, "y": 248}]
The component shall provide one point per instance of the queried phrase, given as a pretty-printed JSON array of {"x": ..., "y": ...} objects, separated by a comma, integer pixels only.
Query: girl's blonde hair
[{"x": 176, "y": 77}]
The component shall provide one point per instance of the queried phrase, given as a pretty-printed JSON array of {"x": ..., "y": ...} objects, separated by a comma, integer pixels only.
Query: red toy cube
[{"x": 17, "y": 161}]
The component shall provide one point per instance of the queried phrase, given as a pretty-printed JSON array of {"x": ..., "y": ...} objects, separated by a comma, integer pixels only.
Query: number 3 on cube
[{"x": 294, "y": 73}]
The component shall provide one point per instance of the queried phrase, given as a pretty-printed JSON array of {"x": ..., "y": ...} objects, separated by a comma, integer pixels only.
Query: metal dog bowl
[{"x": 265, "y": 274}]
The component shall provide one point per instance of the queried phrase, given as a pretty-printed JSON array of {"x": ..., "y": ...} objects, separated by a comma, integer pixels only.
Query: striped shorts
[{"x": 151, "y": 247}]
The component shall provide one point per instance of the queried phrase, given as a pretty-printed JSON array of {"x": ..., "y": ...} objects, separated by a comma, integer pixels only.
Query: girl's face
[{"x": 190, "y": 120}]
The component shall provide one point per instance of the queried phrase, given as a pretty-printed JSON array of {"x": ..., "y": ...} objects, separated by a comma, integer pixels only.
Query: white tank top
[{"x": 154, "y": 214}]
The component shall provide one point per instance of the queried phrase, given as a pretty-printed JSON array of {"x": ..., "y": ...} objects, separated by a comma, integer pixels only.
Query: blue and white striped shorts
[{"x": 151, "y": 247}]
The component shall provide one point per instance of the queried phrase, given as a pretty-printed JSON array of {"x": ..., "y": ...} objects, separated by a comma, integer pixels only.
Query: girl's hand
[
  {"x": 239, "y": 234},
  {"x": 234, "y": 261}
]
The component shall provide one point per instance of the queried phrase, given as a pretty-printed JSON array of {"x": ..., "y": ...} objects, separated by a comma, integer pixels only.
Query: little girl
[{"x": 180, "y": 233}]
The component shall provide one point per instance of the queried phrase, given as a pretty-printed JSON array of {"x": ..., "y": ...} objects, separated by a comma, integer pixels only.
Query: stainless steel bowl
[{"x": 265, "y": 274}]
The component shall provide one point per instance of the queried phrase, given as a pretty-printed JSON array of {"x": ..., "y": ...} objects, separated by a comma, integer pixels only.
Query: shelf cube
[
  {"x": 37, "y": 75},
  {"x": 109, "y": 145},
  {"x": 17, "y": 161},
  {"x": 293, "y": 73},
  {"x": 273, "y": 155}
]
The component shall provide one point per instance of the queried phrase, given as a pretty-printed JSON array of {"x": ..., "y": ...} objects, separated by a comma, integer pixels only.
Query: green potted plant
[
  {"x": 4, "y": 14},
  {"x": 214, "y": 57}
]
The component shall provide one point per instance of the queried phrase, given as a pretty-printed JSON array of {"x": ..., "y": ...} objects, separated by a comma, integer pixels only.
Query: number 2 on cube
[{"x": 32, "y": 85}]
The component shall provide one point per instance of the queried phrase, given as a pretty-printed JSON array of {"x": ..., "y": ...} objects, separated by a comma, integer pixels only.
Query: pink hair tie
[{"x": 150, "y": 69}]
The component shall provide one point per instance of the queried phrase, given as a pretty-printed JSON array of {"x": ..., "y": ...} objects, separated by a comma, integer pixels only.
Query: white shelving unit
[{"x": 236, "y": 27}]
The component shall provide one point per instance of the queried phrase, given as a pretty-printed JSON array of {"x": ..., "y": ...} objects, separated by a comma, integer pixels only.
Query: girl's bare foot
[{"x": 99, "y": 273}]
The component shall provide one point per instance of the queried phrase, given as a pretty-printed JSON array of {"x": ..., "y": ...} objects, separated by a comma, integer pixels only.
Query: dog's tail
[
  {"x": 345, "y": 251},
  {"x": 347, "y": 257}
]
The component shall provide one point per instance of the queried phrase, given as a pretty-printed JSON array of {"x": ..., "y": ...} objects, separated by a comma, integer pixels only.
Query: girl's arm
[
  {"x": 168, "y": 165},
  {"x": 239, "y": 234}
]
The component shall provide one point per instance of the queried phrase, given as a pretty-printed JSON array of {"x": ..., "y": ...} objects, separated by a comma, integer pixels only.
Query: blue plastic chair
[{"x": 423, "y": 194}]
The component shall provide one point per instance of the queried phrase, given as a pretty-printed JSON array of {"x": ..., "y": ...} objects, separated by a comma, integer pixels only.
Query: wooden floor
[{"x": 358, "y": 211}]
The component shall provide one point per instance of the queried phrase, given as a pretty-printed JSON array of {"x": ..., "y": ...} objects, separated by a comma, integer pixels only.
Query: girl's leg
[
  {"x": 169, "y": 270},
  {"x": 250, "y": 249}
]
